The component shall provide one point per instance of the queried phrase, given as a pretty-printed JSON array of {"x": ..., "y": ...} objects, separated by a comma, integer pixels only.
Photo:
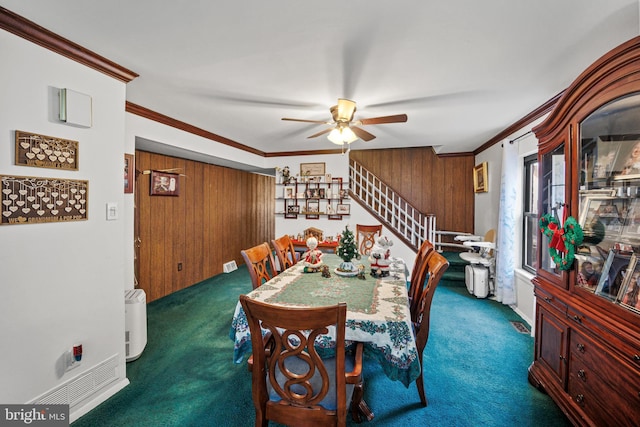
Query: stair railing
[{"x": 397, "y": 213}]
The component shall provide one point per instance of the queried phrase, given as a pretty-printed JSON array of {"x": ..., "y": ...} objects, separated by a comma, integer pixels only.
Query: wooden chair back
[
  {"x": 286, "y": 253},
  {"x": 291, "y": 383},
  {"x": 419, "y": 271},
  {"x": 436, "y": 265},
  {"x": 259, "y": 260},
  {"x": 366, "y": 237}
]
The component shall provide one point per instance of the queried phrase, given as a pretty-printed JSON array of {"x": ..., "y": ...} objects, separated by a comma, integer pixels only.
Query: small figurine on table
[
  {"x": 325, "y": 271},
  {"x": 313, "y": 257},
  {"x": 361, "y": 272},
  {"x": 380, "y": 257}
]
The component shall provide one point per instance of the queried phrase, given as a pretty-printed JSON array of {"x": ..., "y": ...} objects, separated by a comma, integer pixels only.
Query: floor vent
[
  {"x": 230, "y": 266},
  {"x": 520, "y": 327},
  {"x": 83, "y": 386}
]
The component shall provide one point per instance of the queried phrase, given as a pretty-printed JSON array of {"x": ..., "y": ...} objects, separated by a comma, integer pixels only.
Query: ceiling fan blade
[
  {"x": 362, "y": 134},
  {"x": 322, "y": 122},
  {"x": 315, "y": 135},
  {"x": 398, "y": 118},
  {"x": 346, "y": 108}
]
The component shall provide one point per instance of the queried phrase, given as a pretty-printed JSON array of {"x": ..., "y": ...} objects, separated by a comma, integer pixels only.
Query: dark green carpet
[{"x": 475, "y": 368}]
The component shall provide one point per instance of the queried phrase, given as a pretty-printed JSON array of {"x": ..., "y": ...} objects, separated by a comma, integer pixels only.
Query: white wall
[
  {"x": 62, "y": 282},
  {"x": 487, "y": 205}
]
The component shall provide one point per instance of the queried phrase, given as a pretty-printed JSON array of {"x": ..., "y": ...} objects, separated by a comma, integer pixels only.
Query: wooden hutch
[{"x": 587, "y": 339}]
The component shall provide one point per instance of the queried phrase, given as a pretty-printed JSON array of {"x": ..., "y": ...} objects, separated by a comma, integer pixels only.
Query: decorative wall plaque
[
  {"x": 46, "y": 151},
  {"x": 28, "y": 200}
]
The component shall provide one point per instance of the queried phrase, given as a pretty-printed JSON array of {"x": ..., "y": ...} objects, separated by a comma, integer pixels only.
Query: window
[{"x": 530, "y": 217}]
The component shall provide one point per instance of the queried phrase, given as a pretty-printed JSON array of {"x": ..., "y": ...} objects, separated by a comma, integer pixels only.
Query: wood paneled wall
[
  {"x": 219, "y": 212},
  {"x": 434, "y": 185}
]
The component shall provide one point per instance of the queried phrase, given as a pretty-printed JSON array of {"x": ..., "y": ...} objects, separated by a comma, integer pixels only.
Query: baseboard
[{"x": 79, "y": 410}]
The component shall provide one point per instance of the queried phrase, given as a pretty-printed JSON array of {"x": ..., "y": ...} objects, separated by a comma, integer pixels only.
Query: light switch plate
[{"x": 112, "y": 211}]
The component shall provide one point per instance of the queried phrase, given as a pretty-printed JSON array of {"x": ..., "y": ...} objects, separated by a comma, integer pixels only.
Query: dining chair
[
  {"x": 419, "y": 272},
  {"x": 259, "y": 260},
  {"x": 436, "y": 265},
  {"x": 286, "y": 253},
  {"x": 291, "y": 383},
  {"x": 366, "y": 237}
]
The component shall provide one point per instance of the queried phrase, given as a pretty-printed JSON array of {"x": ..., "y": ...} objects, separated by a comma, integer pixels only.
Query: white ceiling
[{"x": 462, "y": 70}]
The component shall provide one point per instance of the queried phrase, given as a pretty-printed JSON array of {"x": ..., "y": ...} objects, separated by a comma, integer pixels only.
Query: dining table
[{"x": 377, "y": 311}]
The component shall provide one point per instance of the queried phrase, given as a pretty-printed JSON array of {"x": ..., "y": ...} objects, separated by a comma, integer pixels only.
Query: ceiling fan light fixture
[{"x": 342, "y": 135}]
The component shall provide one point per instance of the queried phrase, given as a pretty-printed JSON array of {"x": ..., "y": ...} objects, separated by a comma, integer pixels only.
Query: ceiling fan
[{"x": 343, "y": 128}]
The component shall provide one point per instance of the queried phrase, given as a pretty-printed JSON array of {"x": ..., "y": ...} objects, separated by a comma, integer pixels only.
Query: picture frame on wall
[
  {"x": 129, "y": 167},
  {"x": 312, "y": 169},
  {"x": 343, "y": 209},
  {"x": 164, "y": 184},
  {"x": 480, "y": 184}
]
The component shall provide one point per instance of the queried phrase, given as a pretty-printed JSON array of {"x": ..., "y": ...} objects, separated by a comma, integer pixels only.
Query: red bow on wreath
[{"x": 557, "y": 237}]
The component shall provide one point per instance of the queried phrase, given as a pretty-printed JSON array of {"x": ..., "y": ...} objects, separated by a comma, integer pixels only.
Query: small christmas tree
[{"x": 347, "y": 248}]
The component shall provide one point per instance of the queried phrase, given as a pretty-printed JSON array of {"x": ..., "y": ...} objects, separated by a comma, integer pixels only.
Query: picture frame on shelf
[
  {"x": 480, "y": 184},
  {"x": 627, "y": 163},
  {"x": 613, "y": 274},
  {"x": 628, "y": 295},
  {"x": 293, "y": 209},
  {"x": 289, "y": 192},
  {"x": 313, "y": 206}
]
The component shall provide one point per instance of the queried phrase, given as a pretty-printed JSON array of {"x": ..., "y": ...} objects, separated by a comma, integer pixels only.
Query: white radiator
[{"x": 135, "y": 336}]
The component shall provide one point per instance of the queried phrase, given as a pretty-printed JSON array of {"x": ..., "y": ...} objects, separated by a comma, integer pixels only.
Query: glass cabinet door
[
  {"x": 609, "y": 202},
  {"x": 552, "y": 199}
]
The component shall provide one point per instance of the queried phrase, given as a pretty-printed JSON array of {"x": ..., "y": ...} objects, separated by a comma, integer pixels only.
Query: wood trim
[
  {"x": 166, "y": 120},
  {"x": 529, "y": 118},
  {"x": 29, "y": 30}
]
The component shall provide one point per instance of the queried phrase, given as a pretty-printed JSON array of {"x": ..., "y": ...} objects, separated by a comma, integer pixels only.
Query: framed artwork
[
  {"x": 44, "y": 151},
  {"x": 33, "y": 200},
  {"x": 312, "y": 169},
  {"x": 293, "y": 209},
  {"x": 164, "y": 184},
  {"x": 129, "y": 166},
  {"x": 289, "y": 192},
  {"x": 480, "y": 178},
  {"x": 343, "y": 209},
  {"x": 313, "y": 206}
]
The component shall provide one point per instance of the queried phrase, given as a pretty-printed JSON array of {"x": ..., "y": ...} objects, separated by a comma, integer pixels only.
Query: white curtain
[{"x": 505, "y": 258}]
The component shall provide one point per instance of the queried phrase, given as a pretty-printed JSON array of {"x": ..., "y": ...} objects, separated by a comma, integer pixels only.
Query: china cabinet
[
  {"x": 587, "y": 335},
  {"x": 313, "y": 199}
]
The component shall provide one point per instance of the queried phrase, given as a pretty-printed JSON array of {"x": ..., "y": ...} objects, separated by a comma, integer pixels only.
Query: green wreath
[{"x": 563, "y": 240}]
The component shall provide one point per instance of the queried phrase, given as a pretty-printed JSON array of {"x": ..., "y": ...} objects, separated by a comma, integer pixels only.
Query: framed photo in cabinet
[
  {"x": 613, "y": 274},
  {"x": 628, "y": 294}
]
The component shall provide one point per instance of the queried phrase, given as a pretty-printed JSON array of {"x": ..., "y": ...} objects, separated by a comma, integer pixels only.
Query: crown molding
[{"x": 29, "y": 30}]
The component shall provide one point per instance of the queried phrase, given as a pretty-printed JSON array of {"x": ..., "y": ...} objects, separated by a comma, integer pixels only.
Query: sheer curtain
[{"x": 505, "y": 258}]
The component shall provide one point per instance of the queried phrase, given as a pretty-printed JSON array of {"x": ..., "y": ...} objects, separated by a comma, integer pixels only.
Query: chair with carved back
[
  {"x": 260, "y": 263},
  {"x": 366, "y": 237},
  {"x": 291, "y": 383},
  {"x": 436, "y": 265},
  {"x": 419, "y": 271},
  {"x": 286, "y": 253}
]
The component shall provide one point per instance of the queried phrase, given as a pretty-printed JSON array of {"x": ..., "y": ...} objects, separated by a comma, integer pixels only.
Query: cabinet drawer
[
  {"x": 548, "y": 300},
  {"x": 601, "y": 373},
  {"x": 590, "y": 401}
]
